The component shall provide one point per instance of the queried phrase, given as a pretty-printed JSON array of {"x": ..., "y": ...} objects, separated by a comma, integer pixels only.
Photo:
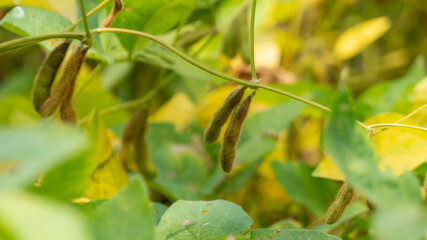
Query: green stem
[
  {"x": 402, "y": 119},
  {"x": 89, "y": 39},
  {"x": 252, "y": 43},
  {"x": 389, "y": 125},
  {"x": 95, "y": 9},
  {"x": 251, "y": 84},
  {"x": 28, "y": 41}
]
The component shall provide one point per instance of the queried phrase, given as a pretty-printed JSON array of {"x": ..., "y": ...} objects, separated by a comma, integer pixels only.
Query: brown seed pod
[
  {"x": 220, "y": 118},
  {"x": 45, "y": 77},
  {"x": 343, "y": 199},
  {"x": 133, "y": 138},
  {"x": 232, "y": 135},
  {"x": 63, "y": 90},
  {"x": 116, "y": 9}
]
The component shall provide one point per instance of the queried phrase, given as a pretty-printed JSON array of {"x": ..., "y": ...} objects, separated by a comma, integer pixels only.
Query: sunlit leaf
[
  {"x": 66, "y": 8},
  {"x": 204, "y": 220},
  {"x": 357, "y": 38}
]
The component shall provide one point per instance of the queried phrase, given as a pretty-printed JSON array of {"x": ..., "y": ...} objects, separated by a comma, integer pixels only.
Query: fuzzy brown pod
[
  {"x": 343, "y": 199},
  {"x": 232, "y": 135},
  {"x": 45, "y": 77},
  {"x": 133, "y": 139},
  {"x": 222, "y": 114},
  {"x": 118, "y": 5},
  {"x": 62, "y": 92}
]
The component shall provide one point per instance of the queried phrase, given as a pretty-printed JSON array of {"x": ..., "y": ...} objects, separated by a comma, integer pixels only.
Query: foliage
[{"x": 135, "y": 165}]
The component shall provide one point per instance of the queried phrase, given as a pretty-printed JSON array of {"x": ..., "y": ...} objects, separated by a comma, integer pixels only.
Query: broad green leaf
[
  {"x": 391, "y": 96},
  {"x": 66, "y": 8},
  {"x": 68, "y": 180},
  {"x": 272, "y": 120},
  {"x": 204, "y": 220},
  {"x": 17, "y": 110},
  {"x": 393, "y": 145},
  {"x": 125, "y": 216},
  {"x": 158, "y": 211},
  {"x": 30, "y": 21},
  {"x": 295, "y": 178},
  {"x": 27, "y": 151},
  {"x": 407, "y": 222},
  {"x": 25, "y": 217},
  {"x": 180, "y": 171},
  {"x": 152, "y": 16},
  {"x": 357, "y": 38},
  {"x": 290, "y": 234},
  {"x": 354, "y": 154}
]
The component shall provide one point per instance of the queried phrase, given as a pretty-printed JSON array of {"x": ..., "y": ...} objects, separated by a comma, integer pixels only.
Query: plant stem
[
  {"x": 89, "y": 39},
  {"x": 28, "y": 41},
  {"x": 95, "y": 9},
  {"x": 207, "y": 69},
  {"x": 252, "y": 39},
  {"x": 402, "y": 119},
  {"x": 389, "y": 125}
]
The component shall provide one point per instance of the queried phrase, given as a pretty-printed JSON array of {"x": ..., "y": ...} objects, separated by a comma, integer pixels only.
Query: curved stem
[
  {"x": 207, "y": 69},
  {"x": 89, "y": 40},
  {"x": 389, "y": 125},
  {"x": 28, "y": 41},
  {"x": 252, "y": 43},
  {"x": 95, "y": 9}
]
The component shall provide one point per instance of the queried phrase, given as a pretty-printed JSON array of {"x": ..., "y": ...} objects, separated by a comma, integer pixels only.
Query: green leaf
[
  {"x": 271, "y": 120},
  {"x": 290, "y": 234},
  {"x": 66, "y": 8},
  {"x": 30, "y": 21},
  {"x": 68, "y": 180},
  {"x": 158, "y": 211},
  {"x": 17, "y": 110},
  {"x": 204, "y": 220},
  {"x": 126, "y": 216},
  {"x": 180, "y": 171},
  {"x": 350, "y": 212},
  {"x": 407, "y": 222},
  {"x": 28, "y": 151},
  {"x": 354, "y": 154},
  {"x": 24, "y": 216},
  {"x": 391, "y": 96},
  {"x": 314, "y": 193}
]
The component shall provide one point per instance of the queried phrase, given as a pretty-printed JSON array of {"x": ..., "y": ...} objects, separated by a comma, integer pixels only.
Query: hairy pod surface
[
  {"x": 232, "y": 135},
  {"x": 344, "y": 197},
  {"x": 64, "y": 89},
  {"x": 45, "y": 77},
  {"x": 220, "y": 118},
  {"x": 134, "y": 136}
]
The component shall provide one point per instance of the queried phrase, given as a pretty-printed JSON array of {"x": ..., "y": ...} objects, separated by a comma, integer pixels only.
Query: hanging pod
[
  {"x": 232, "y": 135},
  {"x": 134, "y": 136},
  {"x": 45, "y": 77},
  {"x": 62, "y": 92},
  {"x": 343, "y": 199},
  {"x": 220, "y": 118}
]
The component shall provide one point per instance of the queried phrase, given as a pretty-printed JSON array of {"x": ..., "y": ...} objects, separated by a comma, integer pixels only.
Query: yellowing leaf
[
  {"x": 107, "y": 179},
  {"x": 179, "y": 110},
  {"x": 110, "y": 175},
  {"x": 66, "y": 8},
  {"x": 357, "y": 38},
  {"x": 400, "y": 149}
]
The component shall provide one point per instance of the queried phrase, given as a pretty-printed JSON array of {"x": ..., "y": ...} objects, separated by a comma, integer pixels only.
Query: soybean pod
[
  {"x": 232, "y": 135},
  {"x": 220, "y": 118},
  {"x": 343, "y": 199},
  {"x": 45, "y": 77},
  {"x": 63, "y": 90}
]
